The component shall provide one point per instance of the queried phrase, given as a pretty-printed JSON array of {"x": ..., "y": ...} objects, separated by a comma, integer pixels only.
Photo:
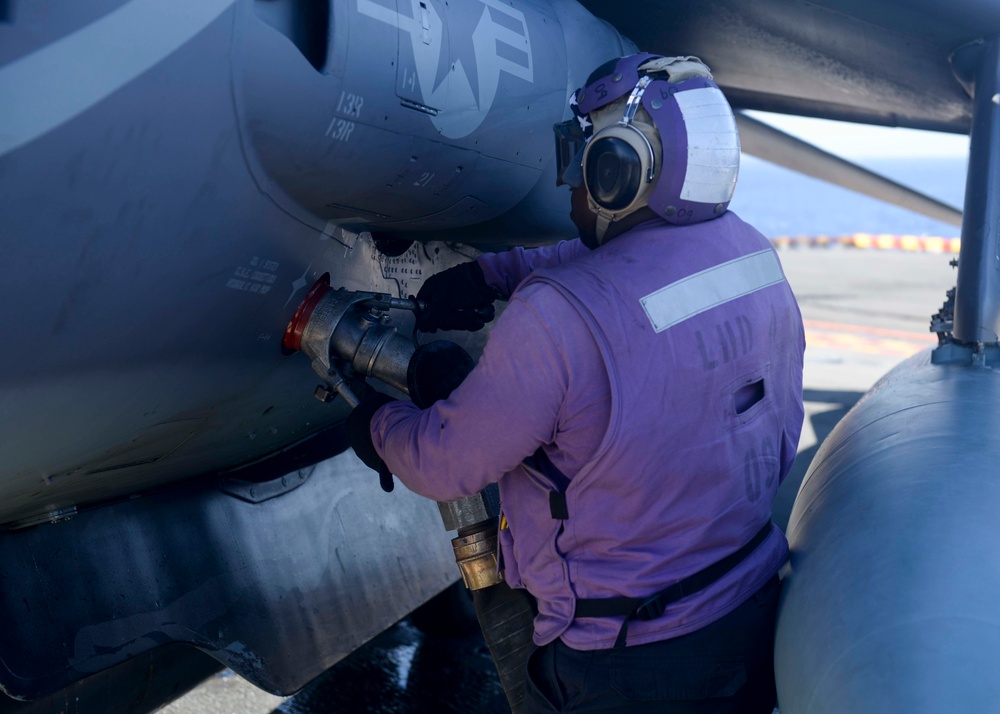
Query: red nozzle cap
[{"x": 292, "y": 341}]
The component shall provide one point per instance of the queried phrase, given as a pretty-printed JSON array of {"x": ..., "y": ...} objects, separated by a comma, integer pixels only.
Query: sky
[{"x": 858, "y": 141}]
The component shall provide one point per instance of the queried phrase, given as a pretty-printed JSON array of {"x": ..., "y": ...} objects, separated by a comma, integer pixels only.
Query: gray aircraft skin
[{"x": 175, "y": 175}]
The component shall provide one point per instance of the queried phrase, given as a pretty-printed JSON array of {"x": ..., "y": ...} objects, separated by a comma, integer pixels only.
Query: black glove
[
  {"x": 435, "y": 370},
  {"x": 457, "y": 299},
  {"x": 359, "y": 432}
]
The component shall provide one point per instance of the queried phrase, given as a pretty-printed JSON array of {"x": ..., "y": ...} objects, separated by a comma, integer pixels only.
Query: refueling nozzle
[{"x": 348, "y": 333}]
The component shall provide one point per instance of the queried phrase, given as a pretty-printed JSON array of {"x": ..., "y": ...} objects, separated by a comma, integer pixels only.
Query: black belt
[{"x": 649, "y": 608}]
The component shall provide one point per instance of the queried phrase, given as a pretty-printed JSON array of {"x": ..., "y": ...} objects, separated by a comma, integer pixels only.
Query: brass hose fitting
[{"x": 476, "y": 555}]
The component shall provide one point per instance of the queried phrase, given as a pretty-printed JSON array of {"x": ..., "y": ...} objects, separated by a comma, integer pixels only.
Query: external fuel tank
[{"x": 891, "y": 598}]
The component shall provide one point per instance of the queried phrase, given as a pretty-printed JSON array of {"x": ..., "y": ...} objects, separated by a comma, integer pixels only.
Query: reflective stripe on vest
[{"x": 710, "y": 288}]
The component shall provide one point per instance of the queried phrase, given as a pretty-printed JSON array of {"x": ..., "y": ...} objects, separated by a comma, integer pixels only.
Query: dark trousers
[{"x": 727, "y": 667}]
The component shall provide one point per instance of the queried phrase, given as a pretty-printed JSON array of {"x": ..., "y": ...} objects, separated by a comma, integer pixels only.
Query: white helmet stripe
[{"x": 713, "y": 152}]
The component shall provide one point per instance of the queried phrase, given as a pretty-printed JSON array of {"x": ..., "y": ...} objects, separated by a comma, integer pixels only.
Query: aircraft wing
[{"x": 854, "y": 60}]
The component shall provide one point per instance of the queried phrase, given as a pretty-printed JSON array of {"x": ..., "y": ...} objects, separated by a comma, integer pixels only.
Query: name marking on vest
[
  {"x": 724, "y": 347},
  {"x": 710, "y": 288}
]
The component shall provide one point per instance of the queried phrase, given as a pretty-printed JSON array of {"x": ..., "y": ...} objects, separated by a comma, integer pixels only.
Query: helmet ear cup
[{"x": 613, "y": 171}]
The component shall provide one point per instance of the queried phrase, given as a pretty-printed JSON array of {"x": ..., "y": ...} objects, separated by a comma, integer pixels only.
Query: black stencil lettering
[
  {"x": 705, "y": 361},
  {"x": 722, "y": 343},
  {"x": 746, "y": 333},
  {"x": 769, "y": 457},
  {"x": 732, "y": 338}
]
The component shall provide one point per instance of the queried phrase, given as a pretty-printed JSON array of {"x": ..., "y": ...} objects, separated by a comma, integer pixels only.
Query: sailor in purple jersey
[{"x": 639, "y": 402}]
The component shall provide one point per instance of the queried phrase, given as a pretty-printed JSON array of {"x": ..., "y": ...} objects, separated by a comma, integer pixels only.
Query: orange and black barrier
[{"x": 877, "y": 241}]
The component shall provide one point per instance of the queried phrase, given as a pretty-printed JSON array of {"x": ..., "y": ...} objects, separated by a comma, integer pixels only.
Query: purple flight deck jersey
[{"x": 662, "y": 374}]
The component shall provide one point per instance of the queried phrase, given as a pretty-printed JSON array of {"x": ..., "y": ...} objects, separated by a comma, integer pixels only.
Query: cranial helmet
[{"x": 651, "y": 131}]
